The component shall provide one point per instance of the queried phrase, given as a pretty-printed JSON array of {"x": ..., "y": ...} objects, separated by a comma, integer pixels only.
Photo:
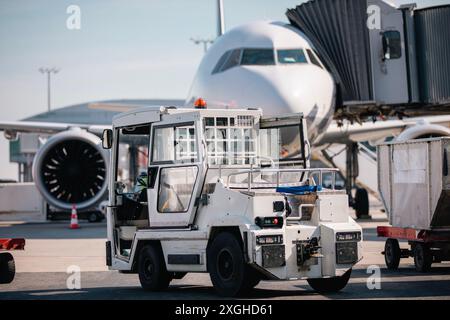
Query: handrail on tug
[{"x": 309, "y": 171}]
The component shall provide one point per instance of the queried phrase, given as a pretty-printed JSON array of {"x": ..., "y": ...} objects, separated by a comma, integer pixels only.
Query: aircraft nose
[
  {"x": 309, "y": 90},
  {"x": 306, "y": 89}
]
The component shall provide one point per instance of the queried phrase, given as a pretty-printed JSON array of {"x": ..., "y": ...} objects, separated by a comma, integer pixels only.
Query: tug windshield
[
  {"x": 281, "y": 144},
  {"x": 230, "y": 140}
]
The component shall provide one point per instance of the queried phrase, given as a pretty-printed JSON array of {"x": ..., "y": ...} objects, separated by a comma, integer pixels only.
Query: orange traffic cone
[{"x": 74, "y": 218}]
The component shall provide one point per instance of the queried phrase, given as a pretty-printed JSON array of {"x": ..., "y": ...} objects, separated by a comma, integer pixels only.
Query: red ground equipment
[{"x": 7, "y": 265}]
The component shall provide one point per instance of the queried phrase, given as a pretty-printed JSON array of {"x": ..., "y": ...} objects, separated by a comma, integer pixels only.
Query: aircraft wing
[
  {"x": 116, "y": 107},
  {"x": 12, "y": 127},
  {"x": 373, "y": 131}
]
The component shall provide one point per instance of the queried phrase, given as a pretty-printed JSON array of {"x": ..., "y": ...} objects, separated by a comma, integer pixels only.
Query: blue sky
[{"x": 125, "y": 49}]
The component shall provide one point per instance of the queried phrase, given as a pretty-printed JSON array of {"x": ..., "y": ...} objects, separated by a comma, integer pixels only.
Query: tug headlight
[
  {"x": 348, "y": 236},
  {"x": 269, "y": 239}
]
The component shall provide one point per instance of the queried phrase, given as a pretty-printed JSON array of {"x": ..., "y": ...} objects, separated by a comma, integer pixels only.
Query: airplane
[
  {"x": 264, "y": 64},
  {"x": 273, "y": 65}
]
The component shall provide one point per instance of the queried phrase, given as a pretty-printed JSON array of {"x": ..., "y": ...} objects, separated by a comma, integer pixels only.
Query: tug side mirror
[{"x": 107, "y": 139}]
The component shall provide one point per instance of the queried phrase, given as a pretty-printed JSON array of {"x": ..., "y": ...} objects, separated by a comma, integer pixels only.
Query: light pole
[
  {"x": 203, "y": 41},
  {"x": 48, "y": 71},
  {"x": 220, "y": 18}
]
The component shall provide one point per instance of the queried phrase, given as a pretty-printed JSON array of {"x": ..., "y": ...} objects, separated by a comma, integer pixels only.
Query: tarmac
[{"x": 52, "y": 249}]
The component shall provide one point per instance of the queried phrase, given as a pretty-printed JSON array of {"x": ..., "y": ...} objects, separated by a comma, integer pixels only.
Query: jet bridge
[{"x": 385, "y": 60}]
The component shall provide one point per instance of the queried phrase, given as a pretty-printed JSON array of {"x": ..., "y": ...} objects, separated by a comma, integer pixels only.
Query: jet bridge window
[
  {"x": 291, "y": 56},
  {"x": 174, "y": 144},
  {"x": 392, "y": 45},
  {"x": 258, "y": 57}
]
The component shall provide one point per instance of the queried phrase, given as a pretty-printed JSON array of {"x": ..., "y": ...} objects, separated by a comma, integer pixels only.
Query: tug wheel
[
  {"x": 226, "y": 265},
  {"x": 422, "y": 257},
  {"x": 152, "y": 269},
  {"x": 330, "y": 285},
  {"x": 7, "y": 268},
  {"x": 392, "y": 254}
]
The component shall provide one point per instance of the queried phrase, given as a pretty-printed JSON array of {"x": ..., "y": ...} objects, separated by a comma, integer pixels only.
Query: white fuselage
[{"x": 277, "y": 86}]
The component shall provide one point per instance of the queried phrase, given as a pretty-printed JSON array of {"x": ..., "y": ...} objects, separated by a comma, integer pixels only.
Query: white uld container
[{"x": 414, "y": 182}]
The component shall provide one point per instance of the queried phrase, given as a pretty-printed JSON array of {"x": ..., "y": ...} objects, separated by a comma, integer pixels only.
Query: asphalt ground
[{"x": 52, "y": 249}]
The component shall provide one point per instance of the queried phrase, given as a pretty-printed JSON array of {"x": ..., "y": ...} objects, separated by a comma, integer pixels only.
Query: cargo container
[{"x": 414, "y": 185}]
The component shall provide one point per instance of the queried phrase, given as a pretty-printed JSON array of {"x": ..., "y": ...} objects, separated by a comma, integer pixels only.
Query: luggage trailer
[{"x": 414, "y": 184}]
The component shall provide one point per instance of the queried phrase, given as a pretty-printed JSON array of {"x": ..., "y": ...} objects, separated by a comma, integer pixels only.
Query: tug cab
[{"x": 227, "y": 192}]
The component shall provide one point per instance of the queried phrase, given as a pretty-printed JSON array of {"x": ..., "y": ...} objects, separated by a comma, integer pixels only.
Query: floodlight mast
[{"x": 48, "y": 72}]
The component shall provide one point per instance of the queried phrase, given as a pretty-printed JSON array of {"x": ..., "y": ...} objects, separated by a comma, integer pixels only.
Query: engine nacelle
[
  {"x": 71, "y": 168},
  {"x": 423, "y": 130}
]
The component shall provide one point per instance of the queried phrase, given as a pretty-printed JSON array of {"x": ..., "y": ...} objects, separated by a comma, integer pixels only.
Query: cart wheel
[
  {"x": 422, "y": 257},
  {"x": 152, "y": 269},
  {"x": 330, "y": 285},
  {"x": 7, "y": 268},
  {"x": 392, "y": 254}
]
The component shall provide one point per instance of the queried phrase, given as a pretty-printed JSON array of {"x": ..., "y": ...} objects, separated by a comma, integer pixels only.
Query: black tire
[
  {"x": 152, "y": 270},
  {"x": 422, "y": 257},
  {"x": 226, "y": 265},
  {"x": 330, "y": 285},
  {"x": 93, "y": 217},
  {"x": 392, "y": 254},
  {"x": 7, "y": 268},
  {"x": 361, "y": 203}
]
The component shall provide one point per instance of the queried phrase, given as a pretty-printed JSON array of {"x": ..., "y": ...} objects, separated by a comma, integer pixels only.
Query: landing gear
[
  {"x": 361, "y": 200},
  {"x": 361, "y": 203}
]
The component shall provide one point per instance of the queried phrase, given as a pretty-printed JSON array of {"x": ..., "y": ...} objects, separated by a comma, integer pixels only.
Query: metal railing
[{"x": 310, "y": 172}]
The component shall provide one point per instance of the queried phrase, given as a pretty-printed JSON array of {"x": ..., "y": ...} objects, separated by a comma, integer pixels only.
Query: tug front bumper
[{"x": 301, "y": 252}]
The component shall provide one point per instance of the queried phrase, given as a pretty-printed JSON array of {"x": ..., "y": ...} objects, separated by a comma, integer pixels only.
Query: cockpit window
[
  {"x": 221, "y": 61},
  {"x": 232, "y": 61},
  {"x": 291, "y": 56},
  {"x": 258, "y": 57},
  {"x": 313, "y": 58},
  {"x": 228, "y": 60}
]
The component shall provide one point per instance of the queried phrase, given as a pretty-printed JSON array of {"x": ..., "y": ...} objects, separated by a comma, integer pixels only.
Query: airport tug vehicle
[{"x": 228, "y": 192}]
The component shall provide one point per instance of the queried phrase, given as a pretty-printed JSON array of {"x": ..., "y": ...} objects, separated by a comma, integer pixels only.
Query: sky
[{"x": 123, "y": 50}]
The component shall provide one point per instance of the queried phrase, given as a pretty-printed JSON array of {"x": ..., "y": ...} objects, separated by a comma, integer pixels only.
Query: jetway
[{"x": 385, "y": 60}]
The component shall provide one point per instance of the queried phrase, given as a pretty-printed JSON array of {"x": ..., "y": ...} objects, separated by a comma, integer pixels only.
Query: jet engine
[
  {"x": 71, "y": 168},
  {"x": 423, "y": 130}
]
